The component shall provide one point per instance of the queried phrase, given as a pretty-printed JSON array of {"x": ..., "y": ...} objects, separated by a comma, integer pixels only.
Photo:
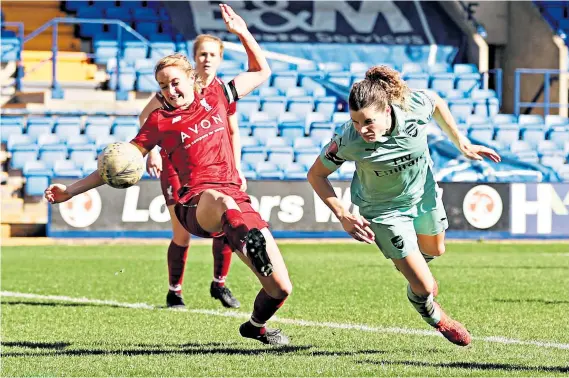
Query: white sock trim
[
  {"x": 259, "y": 325},
  {"x": 176, "y": 287},
  {"x": 219, "y": 280}
]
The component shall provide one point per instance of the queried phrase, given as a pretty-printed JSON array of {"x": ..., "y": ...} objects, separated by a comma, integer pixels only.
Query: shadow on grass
[
  {"x": 542, "y": 301},
  {"x": 184, "y": 349},
  {"x": 471, "y": 365},
  {"x": 55, "y": 304}
]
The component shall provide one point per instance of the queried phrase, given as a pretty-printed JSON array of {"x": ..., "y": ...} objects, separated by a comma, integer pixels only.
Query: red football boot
[{"x": 452, "y": 330}]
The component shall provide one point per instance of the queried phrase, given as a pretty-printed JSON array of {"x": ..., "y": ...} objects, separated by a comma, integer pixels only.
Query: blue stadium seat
[
  {"x": 475, "y": 118},
  {"x": 507, "y": 133},
  {"x": 314, "y": 117},
  {"x": 145, "y": 14},
  {"x": 326, "y": 104},
  {"x": 295, "y": 171},
  {"x": 249, "y": 141},
  {"x": 331, "y": 66},
  {"x": 36, "y": 167},
  {"x": 341, "y": 117},
  {"x": 230, "y": 65},
  {"x": 358, "y": 67},
  {"x": 145, "y": 81},
  {"x": 256, "y": 117},
  {"x": 269, "y": 92},
  {"x": 37, "y": 129},
  {"x": 320, "y": 131},
  {"x": 553, "y": 161},
  {"x": 527, "y": 119},
  {"x": 291, "y": 130},
  {"x": 556, "y": 120},
  {"x": 563, "y": 172},
  {"x": 417, "y": 80},
  {"x": 305, "y": 145},
  {"x": 453, "y": 94},
  {"x": 461, "y": 109},
  {"x": 504, "y": 118},
  {"x": 485, "y": 102},
  {"x": 134, "y": 50},
  {"x": 104, "y": 49},
  {"x": 68, "y": 120},
  {"x": 250, "y": 174},
  {"x": 278, "y": 66},
  {"x": 8, "y": 130},
  {"x": 124, "y": 132},
  {"x": 442, "y": 81},
  {"x": 533, "y": 135},
  {"x": 103, "y": 141},
  {"x": 19, "y": 140},
  {"x": 438, "y": 68},
  {"x": 306, "y": 158},
  {"x": 275, "y": 105},
  {"x": 21, "y": 154},
  {"x": 48, "y": 139},
  {"x": 296, "y": 92},
  {"x": 268, "y": 170},
  {"x": 559, "y": 134},
  {"x": 411, "y": 68},
  {"x": 118, "y": 13},
  {"x": 253, "y": 154},
  {"x": 90, "y": 30},
  {"x": 520, "y": 146},
  {"x": 311, "y": 86},
  {"x": 290, "y": 117},
  {"x": 483, "y": 132},
  {"x": 547, "y": 147},
  {"x": 285, "y": 79},
  {"x": 248, "y": 105},
  {"x": 462, "y": 68},
  {"x": 83, "y": 153},
  {"x": 340, "y": 77},
  {"x": 147, "y": 28},
  {"x": 264, "y": 131},
  {"x": 77, "y": 140},
  {"x": 64, "y": 131},
  {"x": 36, "y": 183},
  {"x": 67, "y": 168},
  {"x": 301, "y": 105},
  {"x": 244, "y": 129},
  {"x": 468, "y": 81},
  {"x": 277, "y": 142},
  {"x": 161, "y": 49},
  {"x": 94, "y": 131},
  {"x": 280, "y": 155},
  {"x": 52, "y": 153}
]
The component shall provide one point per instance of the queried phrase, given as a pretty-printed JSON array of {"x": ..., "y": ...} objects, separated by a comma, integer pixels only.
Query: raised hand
[
  {"x": 234, "y": 23},
  {"x": 358, "y": 228},
  {"x": 57, "y": 193}
]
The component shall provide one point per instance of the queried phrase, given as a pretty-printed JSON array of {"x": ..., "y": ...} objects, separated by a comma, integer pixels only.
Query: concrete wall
[{"x": 529, "y": 45}]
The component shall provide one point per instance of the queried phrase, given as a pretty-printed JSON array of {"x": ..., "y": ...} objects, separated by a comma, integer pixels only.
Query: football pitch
[{"x": 99, "y": 311}]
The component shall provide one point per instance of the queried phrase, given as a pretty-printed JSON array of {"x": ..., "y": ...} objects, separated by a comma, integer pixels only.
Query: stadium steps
[
  {"x": 35, "y": 14},
  {"x": 71, "y": 66}
]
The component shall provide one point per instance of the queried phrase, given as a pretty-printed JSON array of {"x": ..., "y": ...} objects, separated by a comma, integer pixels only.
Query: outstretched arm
[
  {"x": 446, "y": 121},
  {"x": 259, "y": 70},
  {"x": 154, "y": 161},
  {"x": 355, "y": 225}
]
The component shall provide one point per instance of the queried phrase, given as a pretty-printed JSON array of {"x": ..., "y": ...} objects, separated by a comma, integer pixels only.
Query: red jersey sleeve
[
  {"x": 149, "y": 135},
  {"x": 232, "y": 109}
]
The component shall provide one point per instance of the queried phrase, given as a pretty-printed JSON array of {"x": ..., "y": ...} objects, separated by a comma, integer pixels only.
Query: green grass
[{"x": 510, "y": 290}]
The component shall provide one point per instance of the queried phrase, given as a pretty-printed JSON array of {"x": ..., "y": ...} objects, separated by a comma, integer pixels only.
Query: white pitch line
[{"x": 296, "y": 322}]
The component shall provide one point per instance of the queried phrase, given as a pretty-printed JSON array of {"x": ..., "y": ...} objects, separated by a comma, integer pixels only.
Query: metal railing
[
  {"x": 57, "y": 91},
  {"x": 550, "y": 75},
  {"x": 19, "y": 63}
]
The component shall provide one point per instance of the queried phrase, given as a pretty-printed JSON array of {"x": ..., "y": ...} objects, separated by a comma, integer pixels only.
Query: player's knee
[
  {"x": 181, "y": 238},
  {"x": 281, "y": 291},
  {"x": 436, "y": 249}
]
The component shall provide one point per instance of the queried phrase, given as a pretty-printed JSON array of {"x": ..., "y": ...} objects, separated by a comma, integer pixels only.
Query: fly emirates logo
[{"x": 202, "y": 130}]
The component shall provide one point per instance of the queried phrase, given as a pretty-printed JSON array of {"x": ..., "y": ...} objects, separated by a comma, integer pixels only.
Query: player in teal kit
[{"x": 394, "y": 187}]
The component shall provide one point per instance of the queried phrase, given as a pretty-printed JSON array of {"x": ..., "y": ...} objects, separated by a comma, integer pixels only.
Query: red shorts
[
  {"x": 186, "y": 214},
  {"x": 169, "y": 181}
]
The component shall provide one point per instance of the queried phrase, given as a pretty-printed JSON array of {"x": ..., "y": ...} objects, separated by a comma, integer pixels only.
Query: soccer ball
[{"x": 120, "y": 165}]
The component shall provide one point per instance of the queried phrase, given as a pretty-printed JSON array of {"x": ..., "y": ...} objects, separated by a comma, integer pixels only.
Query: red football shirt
[
  {"x": 216, "y": 88},
  {"x": 197, "y": 143}
]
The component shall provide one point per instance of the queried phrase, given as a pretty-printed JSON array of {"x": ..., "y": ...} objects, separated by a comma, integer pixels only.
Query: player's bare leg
[
  {"x": 432, "y": 246},
  {"x": 222, "y": 253},
  {"x": 276, "y": 288},
  {"x": 177, "y": 255},
  {"x": 420, "y": 294}
]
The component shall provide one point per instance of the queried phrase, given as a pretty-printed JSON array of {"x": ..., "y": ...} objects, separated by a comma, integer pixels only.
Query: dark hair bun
[{"x": 378, "y": 74}]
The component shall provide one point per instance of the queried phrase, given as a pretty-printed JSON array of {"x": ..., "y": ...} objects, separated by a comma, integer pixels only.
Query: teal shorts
[{"x": 396, "y": 232}]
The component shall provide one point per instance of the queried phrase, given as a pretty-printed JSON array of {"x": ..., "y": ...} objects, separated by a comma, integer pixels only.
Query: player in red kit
[
  {"x": 208, "y": 53},
  {"x": 195, "y": 138}
]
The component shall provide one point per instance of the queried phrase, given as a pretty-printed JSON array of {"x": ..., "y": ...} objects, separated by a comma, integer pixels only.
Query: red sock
[
  {"x": 235, "y": 229},
  {"x": 221, "y": 260},
  {"x": 265, "y": 307},
  {"x": 177, "y": 256}
]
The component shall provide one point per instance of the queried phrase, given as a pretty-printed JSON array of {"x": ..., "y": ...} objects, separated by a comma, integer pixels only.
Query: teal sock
[{"x": 425, "y": 306}]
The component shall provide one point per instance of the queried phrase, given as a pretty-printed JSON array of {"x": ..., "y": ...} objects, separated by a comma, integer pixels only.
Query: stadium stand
[{"x": 285, "y": 123}]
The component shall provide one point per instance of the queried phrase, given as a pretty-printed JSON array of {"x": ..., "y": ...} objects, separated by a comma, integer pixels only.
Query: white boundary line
[{"x": 297, "y": 322}]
